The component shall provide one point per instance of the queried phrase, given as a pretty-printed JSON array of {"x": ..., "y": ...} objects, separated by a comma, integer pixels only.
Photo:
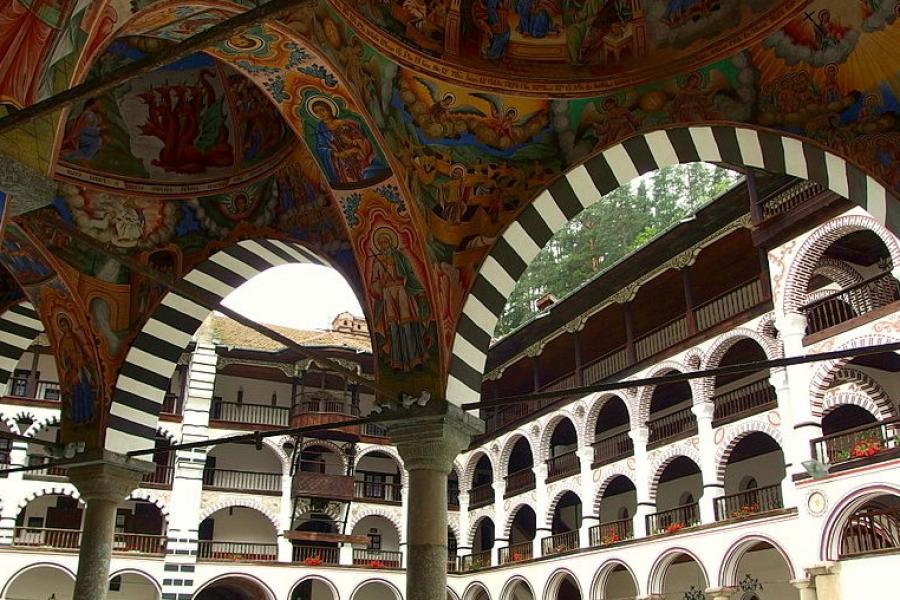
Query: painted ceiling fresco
[{"x": 397, "y": 139}]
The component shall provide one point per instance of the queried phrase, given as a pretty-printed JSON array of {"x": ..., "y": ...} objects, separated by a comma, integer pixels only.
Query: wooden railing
[
  {"x": 607, "y": 365},
  {"x": 242, "y": 481},
  {"x": 65, "y": 539},
  {"x": 375, "y": 490},
  {"x": 613, "y": 448},
  {"x": 162, "y": 475},
  {"x": 735, "y": 301},
  {"x": 870, "y": 530},
  {"x": 678, "y": 424},
  {"x": 562, "y": 383},
  {"x": 44, "y": 389},
  {"x": 749, "y": 502},
  {"x": 789, "y": 199},
  {"x": 663, "y": 337},
  {"x": 374, "y": 430},
  {"x": 323, "y": 406},
  {"x": 54, "y": 471},
  {"x": 231, "y": 551},
  {"x": 377, "y": 559},
  {"x": 673, "y": 519},
  {"x": 519, "y": 481},
  {"x": 474, "y": 561},
  {"x": 563, "y": 465},
  {"x": 170, "y": 404},
  {"x": 316, "y": 555},
  {"x": 453, "y": 564},
  {"x": 517, "y": 552},
  {"x": 452, "y": 498},
  {"x": 481, "y": 495},
  {"x": 611, "y": 532},
  {"x": 140, "y": 543},
  {"x": 744, "y": 401},
  {"x": 559, "y": 543},
  {"x": 858, "y": 442},
  {"x": 843, "y": 305},
  {"x": 254, "y": 414}
]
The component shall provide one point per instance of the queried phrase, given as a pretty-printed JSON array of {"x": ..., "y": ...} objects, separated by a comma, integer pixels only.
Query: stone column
[
  {"x": 793, "y": 390},
  {"x": 639, "y": 436},
  {"x": 103, "y": 486},
  {"x": 712, "y": 487},
  {"x": 588, "y": 492},
  {"x": 807, "y": 588},
  {"x": 720, "y": 593},
  {"x": 428, "y": 439},
  {"x": 827, "y": 581}
]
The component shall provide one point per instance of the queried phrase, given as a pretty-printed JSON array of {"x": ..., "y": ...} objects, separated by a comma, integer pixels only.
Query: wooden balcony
[
  {"x": 748, "y": 503},
  {"x": 561, "y": 542},
  {"x": 611, "y": 532},
  {"x": 376, "y": 491},
  {"x": 242, "y": 481},
  {"x": 871, "y": 530},
  {"x": 162, "y": 476},
  {"x": 475, "y": 561},
  {"x": 563, "y": 465},
  {"x": 519, "y": 482},
  {"x": 517, "y": 552},
  {"x": 246, "y": 413},
  {"x": 671, "y": 427},
  {"x": 323, "y": 485},
  {"x": 673, "y": 520},
  {"x": 215, "y": 551},
  {"x": 314, "y": 556},
  {"x": 54, "y": 471},
  {"x": 859, "y": 445},
  {"x": 70, "y": 539},
  {"x": 325, "y": 411},
  {"x": 377, "y": 559},
  {"x": 481, "y": 495},
  {"x": 611, "y": 449},
  {"x": 452, "y": 498},
  {"x": 864, "y": 298},
  {"x": 756, "y": 397}
]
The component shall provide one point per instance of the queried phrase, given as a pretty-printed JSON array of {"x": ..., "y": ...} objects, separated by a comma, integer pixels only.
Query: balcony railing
[
  {"x": 65, "y": 539},
  {"x": 44, "y": 389},
  {"x": 663, "y": 337},
  {"x": 316, "y": 555},
  {"x": 162, "y": 475},
  {"x": 615, "y": 447},
  {"x": 517, "y": 552},
  {"x": 605, "y": 366},
  {"x": 563, "y": 465},
  {"x": 54, "y": 471},
  {"x": 871, "y": 530},
  {"x": 377, "y": 559},
  {"x": 860, "y": 442},
  {"x": 475, "y": 561},
  {"x": 253, "y": 414},
  {"x": 453, "y": 564},
  {"x": 519, "y": 481},
  {"x": 559, "y": 543},
  {"x": 452, "y": 498},
  {"x": 375, "y": 490},
  {"x": 735, "y": 301},
  {"x": 242, "y": 481},
  {"x": 323, "y": 406},
  {"x": 611, "y": 532},
  {"x": 232, "y": 551},
  {"x": 140, "y": 543},
  {"x": 674, "y": 519},
  {"x": 481, "y": 495},
  {"x": 322, "y": 485},
  {"x": 171, "y": 404},
  {"x": 744, "y": 401},
  {"x": 374, "y": 430},
  {"x": 789, "y": 199},
  {"x": 679, "y": 424},
  {"x": 747, "y": 503},
  {"x": 834, "y": 309}
]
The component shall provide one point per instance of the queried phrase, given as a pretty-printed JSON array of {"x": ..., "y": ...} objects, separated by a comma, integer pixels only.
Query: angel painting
[
  {"x": 607, "y": 121},
  {"x": 503, "y": 127}
]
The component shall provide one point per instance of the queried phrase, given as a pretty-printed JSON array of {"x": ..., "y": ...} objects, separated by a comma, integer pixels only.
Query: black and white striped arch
[
  {"x": 19, "y": 325},
  {"x": 150, "y": 363},
  {"x": 616, "y": 166}
]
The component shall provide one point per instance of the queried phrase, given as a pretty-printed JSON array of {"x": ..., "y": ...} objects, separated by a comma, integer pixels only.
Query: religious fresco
[{"x": 194, "y": 119}]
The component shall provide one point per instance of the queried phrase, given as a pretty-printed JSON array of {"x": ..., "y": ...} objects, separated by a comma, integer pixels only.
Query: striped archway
[
  {"x": 144, "y": 377},
  {"x": 586, "y": 184},
  {"x": 19, "y": 326}
]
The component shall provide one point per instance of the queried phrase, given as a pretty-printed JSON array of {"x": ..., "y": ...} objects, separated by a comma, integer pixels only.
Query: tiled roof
[{"x": 226, "y": 332}]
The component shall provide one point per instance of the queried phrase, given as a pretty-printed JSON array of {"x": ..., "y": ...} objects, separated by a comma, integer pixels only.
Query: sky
[{"x": 302, "y": 296}]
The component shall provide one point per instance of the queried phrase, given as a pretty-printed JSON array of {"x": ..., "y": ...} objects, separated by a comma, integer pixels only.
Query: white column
[
  {"x": 285, "y": 517},
  {"x": 807, "y": 588},
  {"x": 463, "y": 544},
  {"x": 541, "y": 507},
  {"x": 792, "y": 454},
  {"x": 404, "y": 517},
  {"x": 588, "y": 518},
  {"x": 499, "y": 517},
  {"x": 18, "y": 457},
  {"x": 712, "y": 487},
  {"x": 794, "y": 395},
  {"x": 827, "y": 580},
  {"x": 639, "y": 437}
]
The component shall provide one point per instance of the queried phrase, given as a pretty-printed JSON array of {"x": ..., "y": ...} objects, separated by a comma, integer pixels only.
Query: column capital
[
  {"x": 823, "y": 568},
  {"x": 720, "y": 593},
  {"x": 803, "y": 584},
  {"x": 703, "y": 410},
  {"x": 432, "y": 436},
  {"x": 639, "y": 435},
  {"x": 107, "y": 476}
]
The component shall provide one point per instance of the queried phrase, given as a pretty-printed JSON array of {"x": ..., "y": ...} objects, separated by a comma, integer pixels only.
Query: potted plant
[
  {"x": 376, "y": 564},
  {"x": 610, "y": 538},
  {"x": 869, "y": 446},
  {"x": 674, "y": 527},
  {"x": 312, "y": 561},
  {"x": 745, "y": 511},
  {"x": 517, "y": 556}
]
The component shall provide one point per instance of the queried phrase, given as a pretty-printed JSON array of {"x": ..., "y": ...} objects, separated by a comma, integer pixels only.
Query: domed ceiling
[{"x": 194, "y": 125}]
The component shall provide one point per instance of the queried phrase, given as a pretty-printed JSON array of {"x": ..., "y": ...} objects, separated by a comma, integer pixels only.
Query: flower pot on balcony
[
  {"x": 312, "y": 561},
  {"x": 674, "y": 527}
]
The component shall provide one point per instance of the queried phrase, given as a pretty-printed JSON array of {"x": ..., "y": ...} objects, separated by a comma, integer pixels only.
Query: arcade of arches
[{"x": 427, "y": 150}]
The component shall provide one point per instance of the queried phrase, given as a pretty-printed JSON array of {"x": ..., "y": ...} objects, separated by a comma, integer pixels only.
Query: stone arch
[
  {"x": 12, "y": 422},
  {"x": 590, "y": 421},
  {"x": 30, "y": 567},
  {"x": 511, "y": 517},
  {"x": 767, "y": 327},
  {"x": 506, "y": 590},
  {"x": 48, "y": 491},
  {"x": 143, "y": 379},
  {"x": 550, "y": 427},
  {"x": 603, "y": 573},
  {"x": 829, "y": 546},
  {"x": 508, "y": 446},
  {"x": 838, "y": 271},
  {"x": 471, "y": 591},
  {"x": 828, "y": 372},
  {"x": 327, "y": 444},
  {"x": 664, "y": 561},
  {"x": 868, "y": 388},
  {"x": 234, "y": 501},
  {"x": 551, "y": 507},
  {"x": 145, "y": 495},
  {"x": 813, "y": 248},
  {"x": 144, "y": 574},
  {"x": 737, "y": 433},
  {"x": 391, "y": 517},
  {"x": 235, "y": 575},
  {"x": 473, "y": 528},
  {"x": 645, "y": 394},
  {"x": 611, "y": 474},
  {"x": 388, "y": 450},
  {"x": 468, "y": 473},
  {"x": 554, "y": 581},
  {"x": 585, "y": 183},
  {"x": 693, "y": 358},
  {"x": 19, "y": 326},
  {"x": 728, "y": 572},
  {"x": 727, "y": 340},
  {"x": 384, "y": 582},
  {"x": 335, "y": 595},
  {"x": 666, "y": 456},
  {"x": 38, "y": 426}
]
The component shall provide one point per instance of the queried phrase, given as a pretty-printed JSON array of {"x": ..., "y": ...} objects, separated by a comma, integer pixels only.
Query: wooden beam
[{"x": 215, "y": 34}]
